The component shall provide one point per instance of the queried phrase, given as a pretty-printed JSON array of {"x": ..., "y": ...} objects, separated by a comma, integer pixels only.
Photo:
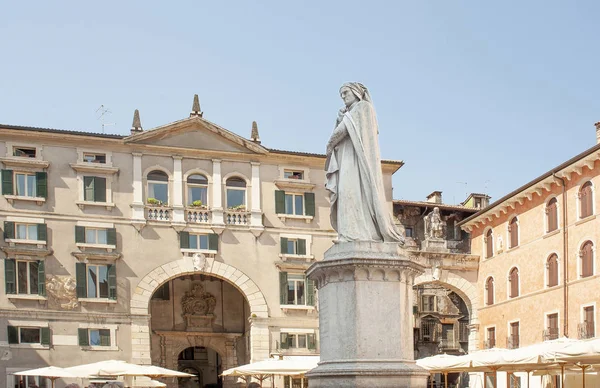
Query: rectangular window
[
  {"x": 552, "y": 330},
  {"x": 27, "y": 382},
  {"x": 236, "y": 197},
  {"x": 162, "y": 293},
  {"x": 198, "y": 241},
  {"x": 293, "y": 246},
  {"x": 95, "y": 236},
  {"x": 159, "y": 191},
  {"x": 513, "y": 342},
  {"x": 99, "y": 337},
  {"x": 514, "y": 381},
  {"x": 94, "y": 158},
  {"x": 28, "y": 335},
  {"x": 24, "y": 152},
  {"x": 293, "y": 174},
  {"x": 295, "y": 289},
  {"x": 97, "y": 281},
  {"x": 589, "y": 318},
  {"x": 491, "y": 337},
  {"x": 298, "y": 340},
  {"x": 27, "y": 277},
  {"x": 294, "y": 204},
  {"x": 25, "y": 185},
  {"x": 408, "y": 232},
  {"x": 94, "y": 189},
  {"x": 428, "y": 302},
  {"x": 26, "y": 231}
]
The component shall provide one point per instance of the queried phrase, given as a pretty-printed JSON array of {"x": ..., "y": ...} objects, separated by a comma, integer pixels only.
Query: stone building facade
[{"x": 183, "y": 246}]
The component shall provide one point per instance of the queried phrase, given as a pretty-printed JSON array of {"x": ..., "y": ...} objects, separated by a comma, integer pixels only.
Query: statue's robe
[{"x": 359, "y": 211}]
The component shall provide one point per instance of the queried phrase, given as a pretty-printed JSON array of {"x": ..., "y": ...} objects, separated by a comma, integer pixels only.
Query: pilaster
[
  {"x": 256, "y": 222},
  {"x": 177, "y": 201},
  {"x": 217, "y": 193},
  {"x": 137, "y": 207}
]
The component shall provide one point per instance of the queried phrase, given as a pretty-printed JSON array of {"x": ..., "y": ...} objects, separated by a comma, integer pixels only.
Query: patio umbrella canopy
[
  {"x": 51, "y": 372},
  {"x": 445, "y": 363},
  {"x": 273, "y": 367},
  {"x": 122, "y": 368}
]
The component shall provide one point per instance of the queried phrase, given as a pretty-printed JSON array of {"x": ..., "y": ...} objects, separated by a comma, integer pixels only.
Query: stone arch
[{"x": 220, "y": 345}]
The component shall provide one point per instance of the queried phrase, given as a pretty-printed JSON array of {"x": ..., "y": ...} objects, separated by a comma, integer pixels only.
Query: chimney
[
  {"x": 196, "y": 107},
  {"x": 597, "y": 125},
  {"x": 435, "y": 197},
  {"x": 136, "y": 126}
]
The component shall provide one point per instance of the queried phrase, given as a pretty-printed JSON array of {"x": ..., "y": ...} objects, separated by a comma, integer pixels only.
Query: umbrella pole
[
  {"x": 527, "y": 379},
  {"x": 431, "y": 379},
  {"x": 562, "y": 375},
  {"x": 446, "y": 379}
]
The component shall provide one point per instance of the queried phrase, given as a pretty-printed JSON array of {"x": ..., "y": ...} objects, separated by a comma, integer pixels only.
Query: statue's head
[
  {"x": 436, "y": 210},
  {"x": 352, "y": 92}
]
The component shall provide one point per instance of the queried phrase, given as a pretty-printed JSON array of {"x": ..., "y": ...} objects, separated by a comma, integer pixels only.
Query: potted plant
[
  {"x": 238, "y": 208},
  {"x": 198, "y": 203},
  {"x": 154, "y": 202}
]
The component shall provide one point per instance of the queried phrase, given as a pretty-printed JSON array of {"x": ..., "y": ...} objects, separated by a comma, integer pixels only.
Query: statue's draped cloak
[{"x": 359, "y": 210}]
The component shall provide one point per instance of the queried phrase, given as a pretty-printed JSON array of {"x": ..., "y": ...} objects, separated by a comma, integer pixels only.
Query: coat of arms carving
[{"x": 198, "y": 309}]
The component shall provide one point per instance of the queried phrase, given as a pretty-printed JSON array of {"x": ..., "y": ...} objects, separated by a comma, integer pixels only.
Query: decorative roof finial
[
  {"x": 254, "y": 134},
  {"x": 196, "y": 107},
  {"x": 136, "y": 126}
]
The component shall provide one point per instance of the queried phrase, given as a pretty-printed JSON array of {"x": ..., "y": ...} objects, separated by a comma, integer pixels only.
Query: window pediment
[
  {"x": 31, "y": 163},
  {"x": 26, "y": 252},
  {"x": 96, "y": 255},
  {"x": 94, "y": 168},
  {"x": 294, "y": 185}
]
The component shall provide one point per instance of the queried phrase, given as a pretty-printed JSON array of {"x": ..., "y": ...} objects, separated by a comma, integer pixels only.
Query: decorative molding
[
  {"x": 294, "y": 185},
  {"x": 94, "y": 168},
  {"x": 33, "y": 163},
  {"x": 22, "y": 252},
  {"x": 96, "y": 255}
]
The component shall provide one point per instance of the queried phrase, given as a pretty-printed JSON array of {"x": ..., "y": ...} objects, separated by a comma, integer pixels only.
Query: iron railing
[
  {"x": 586, "y": 330},
  {"x": 490, "y": 343},
  {"x": 512, "y": 342},
  {"x": 550, "y": 333}
]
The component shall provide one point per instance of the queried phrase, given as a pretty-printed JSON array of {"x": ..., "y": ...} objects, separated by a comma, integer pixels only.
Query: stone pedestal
[{"x": 365, "y": 317}]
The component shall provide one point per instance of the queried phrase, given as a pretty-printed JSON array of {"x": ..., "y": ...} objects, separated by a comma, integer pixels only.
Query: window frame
[
  {"x": 547, "y": 214},
  {"x": 488, "y": 243},
  {"x": 509, "y": 231},
  {"x": 547, "y": 270},
  {"x": 547, "y": 316},
  {"x": 307, "y": 242},
  {"x": 107, "y": 227},
  {"x": 509, "y": 282},
  {"x": 113, "y": 336},
  {"x": 188, "y": 186},
  {"x": 81, "y": 152},
  {"x": 510, "y": 325},
  {"x": 487, "y": 291},
  {"x": 29, "y": 276},
  {"x": 583, "y": 316},
  {"x": 297, "y": 279},
  {"x": 579, "y": 197},
  {"x": 243, "y": 205},
  {"x": 581, "y": 258},
  {"x": 107, "y": 190},
  {"x": 149, "y": 182},
  {"x": 98, "y": 283},
  {"x": 487, "y": 334},
  {"x": 41, "y": 325},
  {"x": 429, "y": 297}
]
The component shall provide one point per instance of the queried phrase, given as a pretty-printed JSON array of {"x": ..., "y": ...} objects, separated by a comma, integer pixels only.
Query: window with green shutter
[
  {"x": 112, "y": 281},
  {"x": 79, "y": 234},
  {"x": 283, "y": 341},
  {"x": 45, "y": 336},
  {"x": 9, "y": 229},
  {"x": 292, "y": 246},
  {"x": 83, "y": 337},
  {"x": 7, "y": 182},
  {"x": 80, "y": 277},
  {"x": 13, "y": 334},
  {"x": 213, "y": 242},
  {"x": 10, "y": 276},
  {"x": 311, "y": 340},
  {"x": 279, "y": 201},
  {"x": 111, "y": 236},
  {"x": 42, "y": 232},
  {"x": 41, "y": 278},
  {"x": 309, "y": 204},
  {"x": 41, "y": 179},
  {"x": 184, "y": 240},
  {"x": 310, "y": 292},
  {"x": 94, "y": 189},
  {"x": 283, "y": 288}
]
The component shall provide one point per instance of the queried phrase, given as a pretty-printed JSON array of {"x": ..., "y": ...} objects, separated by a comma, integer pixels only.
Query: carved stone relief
[
  {"x": 61, "y": 292},
  {"x": 198, "y": 309}
]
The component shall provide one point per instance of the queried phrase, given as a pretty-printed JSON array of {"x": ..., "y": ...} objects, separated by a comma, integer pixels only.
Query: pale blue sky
[{"x": 488, "y": 93}]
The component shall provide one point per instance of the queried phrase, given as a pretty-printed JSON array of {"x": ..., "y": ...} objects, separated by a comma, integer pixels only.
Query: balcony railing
[
  {"x": 236, "y": 218},
  {"x": 490, "y": 343},
  {"x": 550, "y": 333},
  {"x": 430, "y": 331},
  {"x": 159, "y": 213},
  {"x": 512, "y": 342},
  {"x": 196, "y": 215},
  {"x": 449, "y": 344},
  {"x": 463, "y": 331},
  {"x": 586, "y": 330}
]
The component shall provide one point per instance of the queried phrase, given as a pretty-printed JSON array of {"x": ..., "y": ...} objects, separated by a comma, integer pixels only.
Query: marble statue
[
  {"x": 434, "y": 225},
  {"x": 359, "y": 211}
]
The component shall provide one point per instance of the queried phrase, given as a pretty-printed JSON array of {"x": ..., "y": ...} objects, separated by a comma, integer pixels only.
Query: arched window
[
  {"x": 197, "y": 190},
  {"x": 489, "y": 291},
  {"x": 489, "y": 244},
  {"x": 552, "y": 270},
  {"x": 513, "y": 279},
  {"x": 587, "y": 259},
  {"x": 586, "y": 200},
  {"x": 158, "y": 187},
  {"x": 236, "y": 193},
  {"x": 513, "y": 230},
  {"x": 552, "y": 215}
]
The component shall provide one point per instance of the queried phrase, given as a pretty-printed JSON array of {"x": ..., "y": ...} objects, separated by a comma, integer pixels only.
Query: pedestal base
[{"x": 365, "y": 317}]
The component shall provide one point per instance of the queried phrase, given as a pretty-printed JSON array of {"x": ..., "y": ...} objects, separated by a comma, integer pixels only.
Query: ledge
[
  {"x": 83, "y": 246},
  {"x": 294, "y": 184},
  {"x": 191, "y": 252},
  {"x": 96, "y": 255},
  {"x": 29, "y": 346},
  {"x": 586, "y": 219},
  {"x": 26, "y": 251},
  {"x": 550, "y": 234},
  {"x": 298, "y": 307},
  {"x": 24, "y": 162},
  {"x": 307, "y": 219},
  {"x": 94, "y": 168},
  {"x": 83, "y": 204},
  {"x": 287, "y": 257},
  {"x": 10, "y": 198},
  {"x": 13, "y": 241},
  {"x": 100, "y": 348},
  {"x": 26, "y": 297},
  {"x": 97, "y": 300}
]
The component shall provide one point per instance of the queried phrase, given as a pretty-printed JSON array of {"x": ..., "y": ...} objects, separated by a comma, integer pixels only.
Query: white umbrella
[
  {"x": 51, "y": 372},
  {"x": 148, "y": 383},
  {"x": 273, "y": 367},
  {"x": 157, "y": 371},
  {"x": 122, "y": 368}
]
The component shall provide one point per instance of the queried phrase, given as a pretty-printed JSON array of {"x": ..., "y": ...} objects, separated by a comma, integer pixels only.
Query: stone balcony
[
  {"x": 159, "y": 213},
  {"x": 198, "y": 215}
]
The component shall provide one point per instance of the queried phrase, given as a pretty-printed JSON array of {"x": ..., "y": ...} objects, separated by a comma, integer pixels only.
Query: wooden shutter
[
  {"x": 81, "y": 278},
  {"x": 309, "y": 285},
  {"x": 99, "y": 189},
  {"x": 589, "y": 317},
  {"x": 309, "y": 204},
  {"x": 7, "y": 182},
  {"x": 552, "y": 271},
  {"x": 284, "y": 245},
  {"x": 283, "y": 287},
  {"x": 112, "y": 281},
  {"x": 514, "y": 283},
  {"x": 41, "y": 278},
  {"x": 10, "y": 276},
  {"x": 82, "y": 335},
  {"x": 311, "y": 341},
  {"x": 301, "y": 247},
  {"x": 586, "y": 200},
  {"x": 283, "y": 339},
  {"x": 514, "y": 232},
  {"x": 88, "y": 188},
  {"x": 279, "y": 201},
  {"x": 587, "y": 267},
  {"x": 489, "y": 244},
  {"x": 490, "y": 291},
  {"x": 13, "y": 334},
  {"x": 42, "y": 232},
  {"x": 9, "y": 229},
  {"x": 553, "y": 321},
  {"x": 552, "y": 215},
  {"x": 213, "y": 242},
  {"x": 184, "y": 240},
  {"x": 45, "y": 336},
  {"x": 79, "y": 234},
  {"x": 41, "y": 182},
  {"x": 111, "y": 236}
]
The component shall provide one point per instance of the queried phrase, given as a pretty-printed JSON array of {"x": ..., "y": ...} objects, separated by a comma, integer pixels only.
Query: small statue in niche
[
  {"x": 435, "y": 225},
  {"x": 500, "y": 244}
]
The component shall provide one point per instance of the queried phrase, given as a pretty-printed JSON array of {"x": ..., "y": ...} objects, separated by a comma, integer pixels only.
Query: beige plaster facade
[{"x": 241, "y": 274}]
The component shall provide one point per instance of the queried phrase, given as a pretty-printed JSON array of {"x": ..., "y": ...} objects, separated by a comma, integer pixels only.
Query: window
[
  {"x": 199, "y": 241},
  {"x": 94, "y": 337},
  {"x": 94, "y": 158},
  {"x": 552, "y": 215},
  {"x": 586, "y": 200},
  {"x": 26, "y": 382},
  {"x": 588, "y": 328},
  {"x": 408, "y": 232},
  {"x": 489, "y": 244},
  {"x": 552, "y": 327},
  {"x": 158, "y": 187},
  {"x": 24, "y": 277},
  {"x": 513, "y": 339},
  {"x": 298, "y": 341},
  {"x": 95, "y": 236},
  {"x": 94, "y": 189},
  {"x": 236, "y": 193},
  {"x": 295, "y": 382},
  {"x": 513, "y": 279},
  {"x": 24, "y": 152},
  {"x": 162, "y": 293},
  {"x": 296, "y": 289},
  {"x": 25, "y": 231},
  {"x": 96, "y": 280},
  {"x": 28, "y": 335},
  {"x": 514, "y": 381},
  {"x": 489, "y": 291},
  {"x": 296, "y": 204},
  {"x": 428, "y": 302},
  {"x": 513, "y": 230},
  {"x": 293, "y": 246},
  {"x": 552, "y": 270},
  {"x": 292, "y": 174},
  {"x": 24, "y": 184},
  {"x": 491, "y": 337},
  {"x": 197, "y": 190},
  {"x": 587, "y": 259}
]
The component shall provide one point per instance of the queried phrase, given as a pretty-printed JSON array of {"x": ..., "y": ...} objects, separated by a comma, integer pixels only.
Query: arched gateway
[{"x": 222, "y": 343}]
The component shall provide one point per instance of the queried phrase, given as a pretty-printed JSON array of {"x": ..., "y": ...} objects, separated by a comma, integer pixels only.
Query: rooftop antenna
[{"x": 102, "y": 112}]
